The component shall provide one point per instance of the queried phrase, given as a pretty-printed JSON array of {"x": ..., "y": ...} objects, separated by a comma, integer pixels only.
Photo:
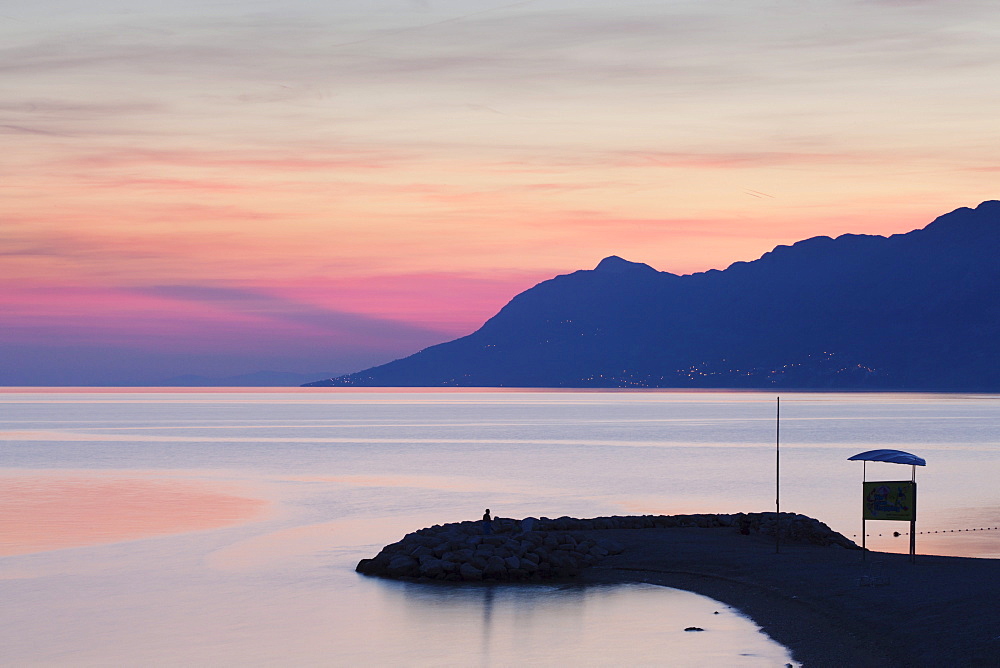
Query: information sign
[{"x": 890, "y": 500}]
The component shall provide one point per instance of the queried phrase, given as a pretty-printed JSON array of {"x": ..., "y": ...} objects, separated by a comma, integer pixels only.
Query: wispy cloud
[
  {"x": 351, "y": 326},
  {"x": 315, "y": 158},
  {"x": 18, "y": 129},
  {"x": 393, "y": 151}
]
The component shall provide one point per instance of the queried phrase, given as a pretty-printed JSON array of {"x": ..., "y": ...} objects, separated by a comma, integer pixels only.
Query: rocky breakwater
[
  {"x": 537, "y": 549},
  {"x": 514, "y": 551}
]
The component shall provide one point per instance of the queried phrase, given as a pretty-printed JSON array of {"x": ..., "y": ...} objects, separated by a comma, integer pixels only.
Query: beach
[{"x": 938, "y": 611}]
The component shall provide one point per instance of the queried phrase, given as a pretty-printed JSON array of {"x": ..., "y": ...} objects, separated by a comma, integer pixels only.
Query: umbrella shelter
[{"x": 889, "y": 499}]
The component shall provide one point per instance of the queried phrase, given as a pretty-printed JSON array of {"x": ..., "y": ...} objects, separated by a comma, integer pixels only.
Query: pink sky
[{"x": 317, "y": 187}]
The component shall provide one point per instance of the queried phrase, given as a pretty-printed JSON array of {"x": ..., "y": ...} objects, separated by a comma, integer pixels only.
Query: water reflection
[
  {"x": 487, "y": 621},
  {"x": 632, "y": 624},
  {"x": 51, "y": 512},
  {"x": 345, "y": 473}
]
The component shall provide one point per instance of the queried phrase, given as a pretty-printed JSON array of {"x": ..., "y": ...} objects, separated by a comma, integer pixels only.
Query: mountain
[{"x": 915, "y": 311}]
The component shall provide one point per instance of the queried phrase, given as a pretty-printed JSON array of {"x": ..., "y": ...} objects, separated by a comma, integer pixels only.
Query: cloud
[
  {"x": 18, "y": 129},
  {"x": 211, "y": 149},
  {"x": 315, "y": 158},
  {"x": 261, "y": 305},
  {"x": 81, "y": 335}
]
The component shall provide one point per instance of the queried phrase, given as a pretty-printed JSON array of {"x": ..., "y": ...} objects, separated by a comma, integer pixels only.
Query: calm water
[{"x": 222, "y": 527}]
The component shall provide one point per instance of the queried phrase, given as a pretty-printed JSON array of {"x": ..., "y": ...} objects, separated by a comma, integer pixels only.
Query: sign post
[
  {"x": 777, "y": 477},
  {"x": 894, "y": 500}
]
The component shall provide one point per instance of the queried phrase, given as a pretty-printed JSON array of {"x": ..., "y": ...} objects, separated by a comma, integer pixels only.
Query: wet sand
[{"x": 939, "y": 611}]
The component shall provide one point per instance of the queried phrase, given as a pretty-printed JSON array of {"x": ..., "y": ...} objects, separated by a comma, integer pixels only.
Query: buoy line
[{"x": 922, "y": 533}]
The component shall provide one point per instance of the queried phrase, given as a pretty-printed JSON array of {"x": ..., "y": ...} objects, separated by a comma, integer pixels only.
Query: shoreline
[
  {"x": 820, "y": 596},
  {"x": 940, "y": 611}
]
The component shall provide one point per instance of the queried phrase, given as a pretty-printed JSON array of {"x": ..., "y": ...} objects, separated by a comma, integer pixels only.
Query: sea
[{"x": 221, "y": 526}]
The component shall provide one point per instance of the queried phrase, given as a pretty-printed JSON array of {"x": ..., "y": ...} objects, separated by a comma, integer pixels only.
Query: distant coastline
[{"x": 444, "y": 389}]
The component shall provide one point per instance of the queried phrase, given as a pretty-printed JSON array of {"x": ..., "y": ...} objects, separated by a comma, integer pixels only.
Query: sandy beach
[{"x": 939, "y": 611}]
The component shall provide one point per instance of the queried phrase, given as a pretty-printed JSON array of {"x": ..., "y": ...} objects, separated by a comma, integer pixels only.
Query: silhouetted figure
[{"x": 487, "y": 523}]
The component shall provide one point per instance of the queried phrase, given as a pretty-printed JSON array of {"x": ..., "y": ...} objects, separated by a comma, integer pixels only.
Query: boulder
[
  {"x": 468, "y": 572},
  {"x": 613, "y": 546},
  {"x": 431, "y": 567},
  {"x": 402, "y": 566},
  {"x": 495, "y": 568}
]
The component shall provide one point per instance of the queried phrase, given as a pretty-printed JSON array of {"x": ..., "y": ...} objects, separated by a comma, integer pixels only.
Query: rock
[
  {"x": 539, "y": 548},
  {"x": 469, "y": 572},
  {"x": 458, "y": 555},
  {"x": 613, "y": 547},
  {"x": 420, "y": 551},
  {"x": 495, "y": 568},
  {"x": 562, "y": 559},
  {"x": 402, "y": 566},
  {"x": 367, "y": 566},
  {"x": 431, "y": 566}
]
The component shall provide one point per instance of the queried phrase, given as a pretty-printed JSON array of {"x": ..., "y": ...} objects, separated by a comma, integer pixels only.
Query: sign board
[{"x": 890, "y": 500}]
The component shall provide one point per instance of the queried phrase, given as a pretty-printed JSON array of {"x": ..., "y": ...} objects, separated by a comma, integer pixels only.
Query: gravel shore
[{"x": 939, "y": 611}]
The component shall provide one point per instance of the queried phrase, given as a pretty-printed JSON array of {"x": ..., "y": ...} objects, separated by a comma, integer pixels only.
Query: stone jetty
[{"x": 535, "y": 549}]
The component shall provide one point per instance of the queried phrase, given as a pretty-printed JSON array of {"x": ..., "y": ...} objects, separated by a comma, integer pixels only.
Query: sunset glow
[
  {"x": 318, "y": 187},
  {"x": 43, "y": 513}
]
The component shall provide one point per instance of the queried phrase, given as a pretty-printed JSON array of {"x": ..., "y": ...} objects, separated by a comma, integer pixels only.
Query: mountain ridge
[{"x": 908, "y": 311}]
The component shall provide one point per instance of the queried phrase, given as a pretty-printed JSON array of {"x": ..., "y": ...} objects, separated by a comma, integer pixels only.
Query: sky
[{"x": 307, "y": 186}]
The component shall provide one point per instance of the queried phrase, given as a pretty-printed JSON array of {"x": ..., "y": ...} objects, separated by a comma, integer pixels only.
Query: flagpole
[{"x": 777, "y": 477}]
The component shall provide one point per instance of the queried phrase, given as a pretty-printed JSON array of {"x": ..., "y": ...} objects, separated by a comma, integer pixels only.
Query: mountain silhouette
[{"x": 915, "y": 311}]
